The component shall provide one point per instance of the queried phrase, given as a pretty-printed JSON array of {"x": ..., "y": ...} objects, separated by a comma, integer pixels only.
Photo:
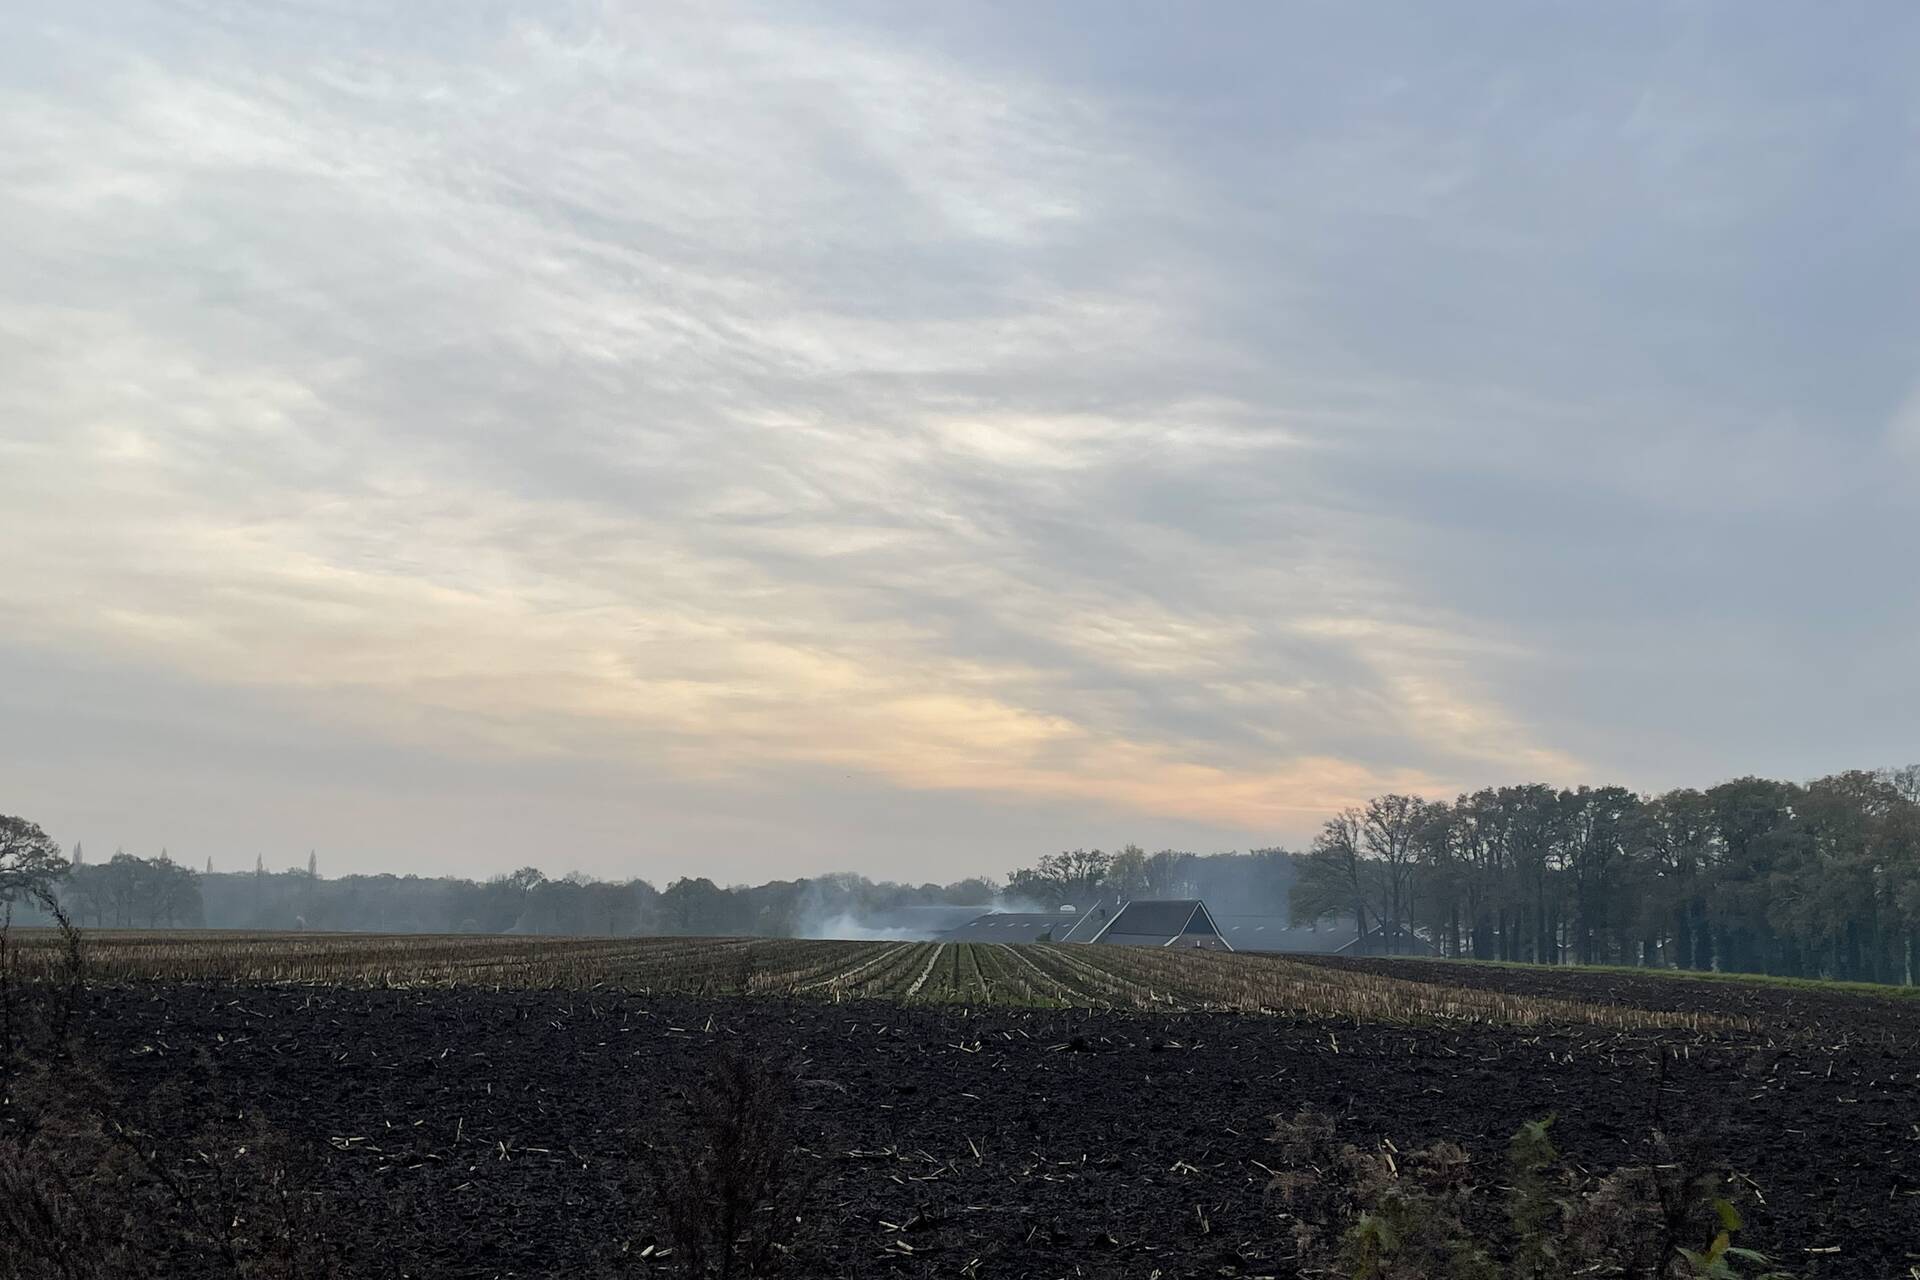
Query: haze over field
[{"x": 745, "y": 442}]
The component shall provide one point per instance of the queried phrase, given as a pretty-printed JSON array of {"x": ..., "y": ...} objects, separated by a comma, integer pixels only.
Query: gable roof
[
  {"x": 1167, "y": 918},
  {"x": 1088, "y": 924},
  {"x": 1160, "y": 923}
]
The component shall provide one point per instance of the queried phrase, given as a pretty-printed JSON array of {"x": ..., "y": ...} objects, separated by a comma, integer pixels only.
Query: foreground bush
[
  {"x": 720, "y": 1173},
  {"x": 1428, "y": 1215}
]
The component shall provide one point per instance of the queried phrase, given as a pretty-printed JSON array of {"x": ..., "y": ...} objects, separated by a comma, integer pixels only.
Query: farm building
[
  {"x": 1335, "y": 937},
  {"x": 1184, "y": 922},
  {"x": 1280, "y": 935},
  {"x": 1377, "y": 943},
  {"x": 1180, "y": 922},
  {"x": 1066, "y": 925}
]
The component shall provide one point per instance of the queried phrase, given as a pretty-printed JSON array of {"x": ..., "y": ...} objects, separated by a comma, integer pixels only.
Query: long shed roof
[
  {"x": 1336, "y": 936},
  {"x": 1015, "y": 926},
  {"x": 1034, "y": 926},
  {"x": 1277, "y": 933}
]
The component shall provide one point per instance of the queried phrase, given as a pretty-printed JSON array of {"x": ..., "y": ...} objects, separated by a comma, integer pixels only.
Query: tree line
[
  {"x": 1754, "y": 875},
  {"x": 1259, "y": 882},
  {"x": 130, "y": 891}
]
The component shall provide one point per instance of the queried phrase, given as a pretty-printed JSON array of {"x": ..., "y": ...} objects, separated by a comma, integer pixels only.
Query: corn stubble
[{"x": 972, "y": 974}]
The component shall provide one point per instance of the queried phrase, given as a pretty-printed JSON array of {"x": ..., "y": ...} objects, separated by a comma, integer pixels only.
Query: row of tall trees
[
  {"x": 1255, "y": 883},
  {"x": 1753, "y": 875},
  {"x": 528, "y": 901},
  {"x": 124, "y": 892},
  {"x": 157, "y": 893}
]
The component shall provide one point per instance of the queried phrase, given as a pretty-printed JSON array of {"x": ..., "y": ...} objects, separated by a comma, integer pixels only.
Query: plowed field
[{"x": 485, "y": 1129}]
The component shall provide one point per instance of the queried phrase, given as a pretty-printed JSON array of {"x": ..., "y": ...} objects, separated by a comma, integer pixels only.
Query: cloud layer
[{"x": 762, "y": 439}]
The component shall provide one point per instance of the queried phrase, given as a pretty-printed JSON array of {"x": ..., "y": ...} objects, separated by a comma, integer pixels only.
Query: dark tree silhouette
[{"x": 30, "y": 861}]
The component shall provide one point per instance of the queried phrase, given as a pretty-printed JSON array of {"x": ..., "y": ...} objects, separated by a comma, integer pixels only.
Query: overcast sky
[{"x": 754, "y": 441}]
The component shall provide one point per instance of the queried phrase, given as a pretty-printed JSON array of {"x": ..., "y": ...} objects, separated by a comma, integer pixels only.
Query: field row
[{"x": 992, "y": 974}]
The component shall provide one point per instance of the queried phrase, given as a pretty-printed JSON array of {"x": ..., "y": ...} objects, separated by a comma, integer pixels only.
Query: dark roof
[
  {"x": 1335, "y": 936},
  {"x": 1161, "y": 923},
  {"x": 1376, "y": 942},
  {"x": 1277, "y": 933},
  {"x": 921, "y": 920},
  {"x": 1087, "y": 923},
  {"x": 1034, "y": 926},
  {"x": 1165, "y": 919}
]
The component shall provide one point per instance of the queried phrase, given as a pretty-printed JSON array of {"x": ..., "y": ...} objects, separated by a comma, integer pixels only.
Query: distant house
[
  {"x": 1180, "y": 922},
  {"x": 1065, "y": 925},
  {"x": 1184, "y": 923}
]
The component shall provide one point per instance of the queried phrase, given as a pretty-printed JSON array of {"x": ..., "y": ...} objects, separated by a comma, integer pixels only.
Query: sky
[{"x": 752, "y": 441}]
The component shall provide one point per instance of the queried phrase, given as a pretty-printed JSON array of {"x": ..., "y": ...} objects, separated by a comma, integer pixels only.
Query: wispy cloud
[{"x": 743, "y": 396}]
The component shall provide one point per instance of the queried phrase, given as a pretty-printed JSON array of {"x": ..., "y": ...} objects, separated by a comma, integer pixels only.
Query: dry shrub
[
  {"x": 720, "y": 1176},
  {"x": 53, "y": 1229},
  {"x": 1382, "y": 1215},
  {"x": 1372, "y": 1214},
  {"x": 95, "y": 1182}
]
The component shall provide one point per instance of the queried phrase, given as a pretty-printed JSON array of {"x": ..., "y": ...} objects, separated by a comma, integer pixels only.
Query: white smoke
[
  {"x": 824, "y": 913},
  {"x": 846, "y": 928}
]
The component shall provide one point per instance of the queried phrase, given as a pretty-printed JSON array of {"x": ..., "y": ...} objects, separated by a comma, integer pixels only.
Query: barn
[
  {"x": 1175, "y": 922},
  {"x": 1065, "y": 925},
  {"x": 1334, "y": 937},
  {"x": 1279, "y": 935}
]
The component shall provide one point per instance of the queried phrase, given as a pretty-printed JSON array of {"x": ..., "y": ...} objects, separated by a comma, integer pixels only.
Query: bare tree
[
  {"x": 1076, "y": 877},
  {"x": 1334, "y": 877},
  {"x": 1391, "y": 830},
  {"x": 30, "y": 861}
]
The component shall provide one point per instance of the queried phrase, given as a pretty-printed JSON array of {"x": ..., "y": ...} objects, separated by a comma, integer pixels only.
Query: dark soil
[{"x": 489, "y": 1133}]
